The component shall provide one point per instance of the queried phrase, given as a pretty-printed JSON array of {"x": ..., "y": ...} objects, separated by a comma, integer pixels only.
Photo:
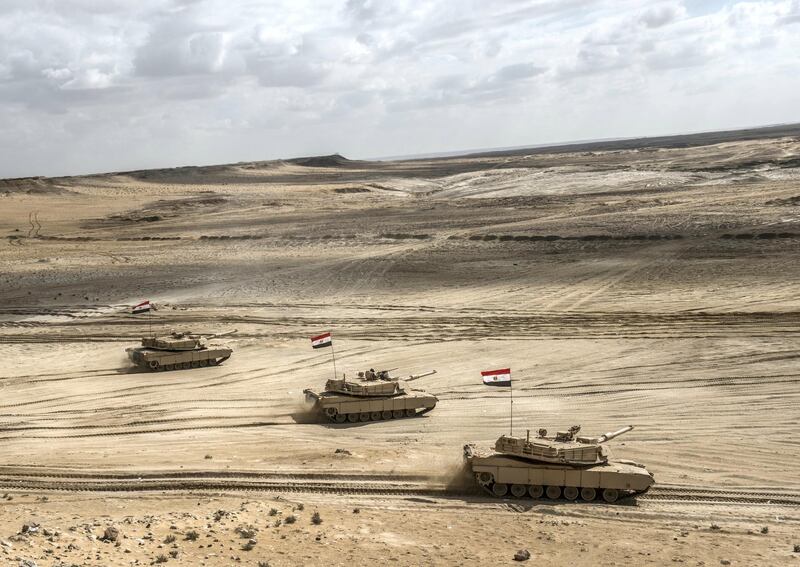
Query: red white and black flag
[
  {"x": 500, "y": 377},
  {"x": 143, "y": 307},
  {"x": 322, "y": 341}
]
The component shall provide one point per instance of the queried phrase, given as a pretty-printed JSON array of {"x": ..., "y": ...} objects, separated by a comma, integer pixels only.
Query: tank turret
[
  {"x": 372, "y": 383},
  {"x": 180, "y": 341},
  {"x": 565, "y": 447},
  {"x": 363, "y": 388}
]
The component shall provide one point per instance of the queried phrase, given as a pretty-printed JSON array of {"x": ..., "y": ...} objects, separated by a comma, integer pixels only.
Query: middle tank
[{"x": 374, "y": 396}]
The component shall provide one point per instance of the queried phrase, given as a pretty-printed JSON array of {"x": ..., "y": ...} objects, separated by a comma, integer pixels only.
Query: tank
[
  {"x": 565, "y": 464},
  {"x": 375, "y": 396},
  {"x": 178, "y": 351}
]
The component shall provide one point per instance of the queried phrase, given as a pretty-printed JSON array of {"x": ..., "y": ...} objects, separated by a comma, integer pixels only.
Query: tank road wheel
[
  {"x": 375, "y": 416},
  {"x": 386, "y": 415},
  {"x": 195, "y": 364},
  {"x": 212, "y": 362},
  {"x": 363, "y": 417},
  {"x": 411, "y": 413},
  {"x": 499, "y": 489},
  {"x": 352, "y": 417},
  {"x": 340, "y": 418},
  {"x": 518, "y": 490},
  {"x": 484, "y": 478},
  {"x": 153, "y": 365},
  {"x": 553, "y": 492},
  {"x": 535, "y": 491},
  {"x": 588, "y": 493},
  {"x": 186, "y": 365},
  {"x": 398, "y": 413},
  {"x": 570, "y": 492},
  {"x": 610, "y": 495},
  {"x": 203, "y": 363}
]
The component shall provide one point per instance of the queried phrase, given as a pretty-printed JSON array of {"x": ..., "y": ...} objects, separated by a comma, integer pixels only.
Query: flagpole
[
  {"x": 333, "y": 356},
  {"x": 511, "y": 390}
]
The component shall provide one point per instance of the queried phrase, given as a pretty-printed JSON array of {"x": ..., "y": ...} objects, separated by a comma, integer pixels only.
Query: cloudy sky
[{"x": 105, "y": 85}]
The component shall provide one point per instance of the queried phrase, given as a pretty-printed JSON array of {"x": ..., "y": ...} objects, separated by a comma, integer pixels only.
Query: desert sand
[{"x": 651, "y": 283}]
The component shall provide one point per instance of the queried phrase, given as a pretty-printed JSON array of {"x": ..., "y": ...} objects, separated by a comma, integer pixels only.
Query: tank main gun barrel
[
  {"x": 609, "y": 436},
  {"x": 215, "y": 335},
  {"x": 418, "y": 376}
]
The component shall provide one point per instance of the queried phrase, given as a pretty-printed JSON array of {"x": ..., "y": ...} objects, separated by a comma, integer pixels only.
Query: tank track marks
[
  {"x": 378, "y": 485},
  {"x": 571, "y": 493},
  {"x": 716, "y": 495},
  {"x": 184, "y": 365},
  {"x": 375, "y": 415},
  {"x": 369, "y": 484},
  {"x": 219, "y": 485},
  {"x": 35, "y": 472}
]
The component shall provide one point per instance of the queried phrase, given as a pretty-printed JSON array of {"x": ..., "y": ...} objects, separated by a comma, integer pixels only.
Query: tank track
[
  {"x": 578, "y": 493},
  {"x": 375, "y": 416},
  {"x": 185, "y": 365}
]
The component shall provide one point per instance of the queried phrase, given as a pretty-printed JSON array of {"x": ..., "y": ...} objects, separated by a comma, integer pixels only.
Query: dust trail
[
  {"x": 453, "y": 473},
  {"x": 302, "y": 411}
]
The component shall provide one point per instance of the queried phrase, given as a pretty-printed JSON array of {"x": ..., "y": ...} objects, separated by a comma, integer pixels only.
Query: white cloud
[
  {"x": 662, "y": 14},
  {"x": 368, "y": 77}
]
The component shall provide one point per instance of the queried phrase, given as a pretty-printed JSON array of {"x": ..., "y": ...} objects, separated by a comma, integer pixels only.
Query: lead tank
[
  {"x": 565, "y": 465},
  {"x": 178, "y": 351},
  {"x": 375, "y": 396}
]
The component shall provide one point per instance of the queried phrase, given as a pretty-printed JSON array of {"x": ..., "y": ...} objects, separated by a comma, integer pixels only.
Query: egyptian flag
[
  {"x": 500, "y": 377},
  {"x": 322, "y": 341},
  {"x": 143, "y": 307}
]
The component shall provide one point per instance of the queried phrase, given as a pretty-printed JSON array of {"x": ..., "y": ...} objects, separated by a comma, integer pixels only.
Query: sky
[{"x": 113, "y": 85}]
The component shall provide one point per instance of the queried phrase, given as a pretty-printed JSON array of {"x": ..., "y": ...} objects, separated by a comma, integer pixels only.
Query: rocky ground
[{"x": 227, "y": 530}]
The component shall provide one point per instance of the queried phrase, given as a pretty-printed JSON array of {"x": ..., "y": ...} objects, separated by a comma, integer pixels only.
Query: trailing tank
[
  {"x": 375, "y": 396},
  {"x": 565, "y": 464},
  {"x": 178, "y": 351}
]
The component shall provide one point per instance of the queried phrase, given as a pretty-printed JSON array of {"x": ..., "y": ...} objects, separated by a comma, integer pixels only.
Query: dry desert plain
[{"x": 646, "y": 282}]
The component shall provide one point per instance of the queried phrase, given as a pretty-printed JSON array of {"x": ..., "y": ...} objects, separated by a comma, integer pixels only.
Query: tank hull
[
  {"x": 155, "y": 359},
  {"x": 340, "y": 408},
  {"x": 502, "y": 475}
]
